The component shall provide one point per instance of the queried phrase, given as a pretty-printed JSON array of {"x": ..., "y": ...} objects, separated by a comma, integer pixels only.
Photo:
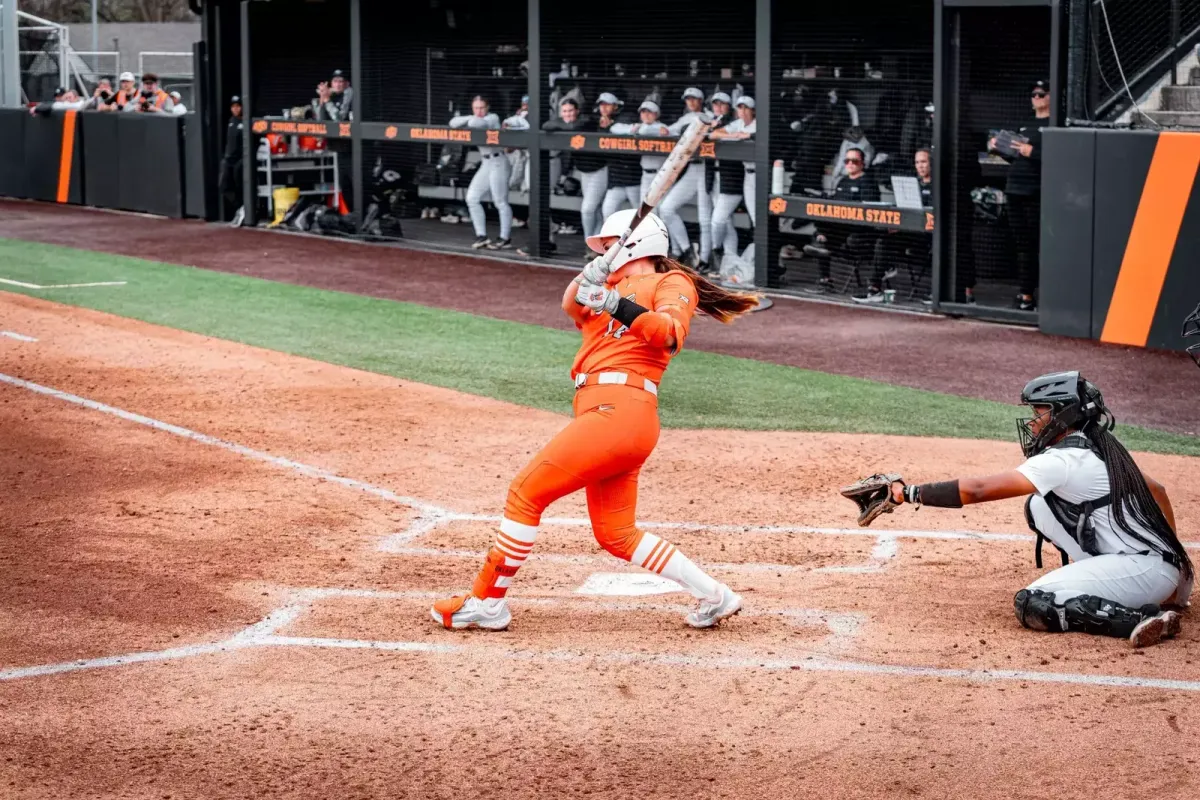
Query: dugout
[{"x": 936, "y": 74}]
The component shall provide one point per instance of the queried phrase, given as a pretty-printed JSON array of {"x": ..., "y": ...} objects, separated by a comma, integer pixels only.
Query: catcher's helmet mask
[
  {"x": 1072, "y": 402},
  {"x": 1191, "y": 327}
]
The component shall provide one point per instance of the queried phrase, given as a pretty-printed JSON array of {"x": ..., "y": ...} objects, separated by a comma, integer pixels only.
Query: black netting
[
  {"x": 425, "y": 64},
  {"x": 850, "y": 80},
  {"x": 640, "y": 51},
  {"x": 1128, "y": 45},
  {"x": 993, "y": 244}
]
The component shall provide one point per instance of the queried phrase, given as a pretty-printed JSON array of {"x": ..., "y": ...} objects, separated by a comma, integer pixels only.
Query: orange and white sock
[
  {"x": 662, "y": 557},
  {"x": 514, "y": 543}
]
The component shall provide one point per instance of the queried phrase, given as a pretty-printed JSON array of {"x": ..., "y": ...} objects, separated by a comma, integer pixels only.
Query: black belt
[
  {"x": 650, "y": 171},
  {"x": 749, "y": 170},
  {"x": 493, "y": 155}
]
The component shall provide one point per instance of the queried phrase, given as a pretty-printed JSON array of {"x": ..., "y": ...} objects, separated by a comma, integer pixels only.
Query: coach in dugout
[{"x": 230, "y": 180}]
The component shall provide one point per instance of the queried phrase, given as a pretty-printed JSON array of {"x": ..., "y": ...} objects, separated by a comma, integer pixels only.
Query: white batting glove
[
  {"x": 596, "y": 272},
  {"x": 597, "y": 298}
]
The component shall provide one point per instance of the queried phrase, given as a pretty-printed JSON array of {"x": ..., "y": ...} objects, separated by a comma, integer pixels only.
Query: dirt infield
[
  {"x": 265, "y": 533},
  {"x": 971, "y": 359}
]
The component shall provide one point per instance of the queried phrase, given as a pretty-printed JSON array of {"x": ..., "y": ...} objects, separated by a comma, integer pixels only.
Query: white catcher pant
[
  {"x": 689, "y": 186},
  {"x": 616, "y": 196},
  {"x": 593, "y": 186},
  {"x": 491, "y": 179},
  {"x": 1130, "y": 580}
]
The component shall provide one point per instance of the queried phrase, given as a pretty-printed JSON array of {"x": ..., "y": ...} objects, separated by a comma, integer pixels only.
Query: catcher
[{"x": 1112, "y": 523}]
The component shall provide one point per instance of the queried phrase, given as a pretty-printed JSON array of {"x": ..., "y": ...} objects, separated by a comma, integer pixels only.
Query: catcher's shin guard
[{"x": 1037, "y": 610}]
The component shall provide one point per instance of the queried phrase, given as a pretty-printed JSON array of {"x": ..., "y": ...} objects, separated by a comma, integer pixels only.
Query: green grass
[{"x": 523, "y": 364}]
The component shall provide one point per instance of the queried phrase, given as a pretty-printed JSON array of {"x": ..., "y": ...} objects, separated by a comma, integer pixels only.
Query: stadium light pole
[{"x": 95, "y": 32}]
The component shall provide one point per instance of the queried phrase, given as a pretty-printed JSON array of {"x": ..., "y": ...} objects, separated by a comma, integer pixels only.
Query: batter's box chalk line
[
  {"x": 265, "y": 632},
  {"x": 39, "y": 286},
  {"x": 842, "y": 627}
]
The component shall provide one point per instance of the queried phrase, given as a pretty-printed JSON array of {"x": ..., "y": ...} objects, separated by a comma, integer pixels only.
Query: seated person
[
  {"x": 856, "y": 187},
  {"x": 892, "y": 248}
]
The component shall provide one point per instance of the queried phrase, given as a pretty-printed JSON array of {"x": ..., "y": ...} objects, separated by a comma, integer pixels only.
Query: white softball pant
[
  {"x": 593, "y": 186},
  {"x": 617, "y": 196},
  {"x": 724, "y": 232},
  {"x": 491, "y": 179},
  {"x": 690, "y": 186},
  {"x": 1130, "y": 580}
]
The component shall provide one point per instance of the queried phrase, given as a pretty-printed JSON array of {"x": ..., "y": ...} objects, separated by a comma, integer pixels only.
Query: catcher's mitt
[{"x": 873, "y": 496}]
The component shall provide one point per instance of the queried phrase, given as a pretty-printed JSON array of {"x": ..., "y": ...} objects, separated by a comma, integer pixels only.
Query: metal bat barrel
[{"x": 668, "y": 173}]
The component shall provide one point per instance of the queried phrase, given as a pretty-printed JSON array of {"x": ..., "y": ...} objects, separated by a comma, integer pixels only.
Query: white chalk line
[
  {"x": 25, "y": 285},
  {"x": 432, "y": 515},
  {"x": 264, "y": 634},
  {"x": 20, "y": 337}
]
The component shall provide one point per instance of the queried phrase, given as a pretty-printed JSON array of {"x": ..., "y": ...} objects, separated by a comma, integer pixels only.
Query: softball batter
[
  {"x": 491, "y": 178},
  {"x": 634, "y": 319},
  {"x": 1112, "y": 523}
]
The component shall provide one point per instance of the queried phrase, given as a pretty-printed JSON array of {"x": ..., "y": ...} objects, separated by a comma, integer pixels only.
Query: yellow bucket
[{"x": 284, "y": 197}]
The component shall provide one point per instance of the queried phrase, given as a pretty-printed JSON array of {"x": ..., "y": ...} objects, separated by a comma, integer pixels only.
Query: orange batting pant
[{"x": 614, "y": 431}]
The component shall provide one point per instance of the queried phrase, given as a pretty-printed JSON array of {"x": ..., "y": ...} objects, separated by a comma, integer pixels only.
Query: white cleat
[
  {"x": 709, "y": 614},
  {"x": 1153, "y": 630},
  {"x": 467, "y": 611}
]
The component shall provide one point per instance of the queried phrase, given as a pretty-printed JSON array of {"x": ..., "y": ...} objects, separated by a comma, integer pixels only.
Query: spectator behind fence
[
  {"x": 64, "y": 100},
  {"x": 857, "y": 186},
  {"x": 126, "y": 91},
  {"x": 335, "y": 99},
  {"x": 151, "y": 99},
  {"x": 1023, "y": 150},
  {"x": 230, "y": 181},
  {"x": 179, "y": 109},
  {"x": 102, "y": 96},
  {"x": 490, "y": 179}
]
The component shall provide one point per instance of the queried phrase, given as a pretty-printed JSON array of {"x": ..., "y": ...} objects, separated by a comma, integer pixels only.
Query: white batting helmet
[{"x": 648, "y": 239}]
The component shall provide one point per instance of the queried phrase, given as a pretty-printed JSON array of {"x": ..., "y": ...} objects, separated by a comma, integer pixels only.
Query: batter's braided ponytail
[{"x": 715, "y": 301}]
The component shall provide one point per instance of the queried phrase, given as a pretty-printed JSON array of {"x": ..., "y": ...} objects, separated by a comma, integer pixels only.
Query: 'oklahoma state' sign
[
  {"x": 874, "y": 216},
  {"x": 439, "y": 135},
  {"x": 870, "y": 216}
]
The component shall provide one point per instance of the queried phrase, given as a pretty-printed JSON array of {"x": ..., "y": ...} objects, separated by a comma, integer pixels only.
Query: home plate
[{"x": 624, "y": 584}]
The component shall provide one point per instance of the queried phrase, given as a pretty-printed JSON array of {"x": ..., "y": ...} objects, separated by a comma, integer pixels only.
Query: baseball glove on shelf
[{"x": 873, "y": 496}]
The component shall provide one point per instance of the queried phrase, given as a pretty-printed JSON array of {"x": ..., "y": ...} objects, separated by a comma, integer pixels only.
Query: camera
[{"x": 104, "y": 96}]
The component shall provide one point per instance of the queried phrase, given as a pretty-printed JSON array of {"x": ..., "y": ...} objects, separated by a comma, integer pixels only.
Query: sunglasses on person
[
  {"x": 854, "y": 160},
  {"x": 1040, "y": 94}
]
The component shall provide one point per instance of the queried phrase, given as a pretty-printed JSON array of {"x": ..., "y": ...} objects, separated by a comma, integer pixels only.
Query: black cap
[
  {"x": 59, "y": 92},
  {"x": 1040, "y": 85},
  {"x": 235, "y": 99},
  {"x": 337, "y": 73}
]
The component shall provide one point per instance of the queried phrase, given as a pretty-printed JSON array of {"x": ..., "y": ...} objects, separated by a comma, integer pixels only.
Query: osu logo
[
  {"x": 928, "y": 221},
  {"x": 777, "y": 205},
  {"x": 708, "y": 150},
  {"x": 577, "y": 142},
  {"x": 390, "y": 132},
  {"x": 493, "y": 137},
  {"x": 344, "y": 129},
  {"x": 260, "y": 126}
]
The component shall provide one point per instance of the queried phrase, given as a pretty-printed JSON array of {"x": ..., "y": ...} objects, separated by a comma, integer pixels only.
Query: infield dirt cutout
[{"x": 276, "y": 568}]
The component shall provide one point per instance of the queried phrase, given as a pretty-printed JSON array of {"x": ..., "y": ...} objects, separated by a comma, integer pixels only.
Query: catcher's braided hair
[
  {"x": 1131, "y": 496},
  {"x": 715, "y": 301}
]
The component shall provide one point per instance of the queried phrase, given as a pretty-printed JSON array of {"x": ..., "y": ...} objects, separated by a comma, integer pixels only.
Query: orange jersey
[{"x": 608, "y": 346}]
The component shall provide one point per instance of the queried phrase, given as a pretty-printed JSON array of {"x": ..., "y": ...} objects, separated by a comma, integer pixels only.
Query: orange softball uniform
[{"x": 616, "y": 425}]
